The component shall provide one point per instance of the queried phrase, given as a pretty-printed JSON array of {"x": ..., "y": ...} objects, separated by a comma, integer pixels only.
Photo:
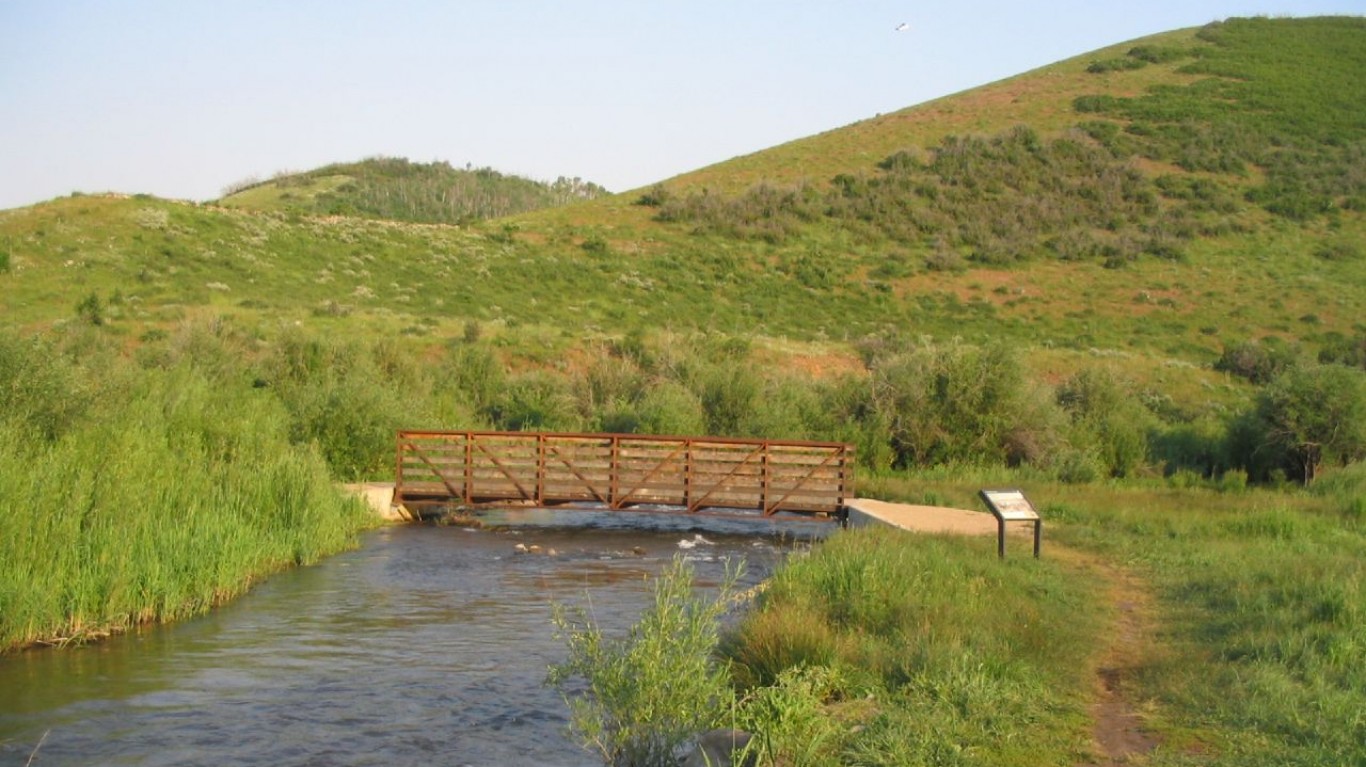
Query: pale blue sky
[{"x": 179, "y": 98}]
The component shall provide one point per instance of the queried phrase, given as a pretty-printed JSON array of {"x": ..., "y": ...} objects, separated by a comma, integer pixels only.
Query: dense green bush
[
  {"x": 1108, "y": 421},
  {"x": 346, "y": 399},
  {"x": 960, "y": 404},
  {"x": 535, "y": 401},
  {"x": 730, "y": 396},
  {"x": 352, "y": 422},
  {"x": 671, "y": 408},
  {"x": 1201, "y": 446},
  {"x": 470, "y": 376},
  {"x": 1309, "y": 417}
]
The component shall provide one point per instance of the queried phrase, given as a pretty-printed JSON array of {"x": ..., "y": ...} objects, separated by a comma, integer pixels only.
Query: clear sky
[{"x": 180, "y": 98}]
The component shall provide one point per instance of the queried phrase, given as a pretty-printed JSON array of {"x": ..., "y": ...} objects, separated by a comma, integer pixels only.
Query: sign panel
[{"x": 1010, "y": 505}]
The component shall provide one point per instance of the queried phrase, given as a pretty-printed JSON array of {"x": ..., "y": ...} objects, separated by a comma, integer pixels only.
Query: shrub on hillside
[
  {"x": 535, "y": 401},
  {"x": 1108, "y": 419},
  {"x": 1115, "y": 65},
  {"x": 40, "y": 389},
  {"x": 347, "y": 399},
  {"x": 1258, "y": 363},
  {"x": 351, "y": 421},
  {"x": 730, "y": 396},
  {"x": 471, "y": 374},
  {"x": 607, "y": 380},
  {"x": 1308, "y": 417},
  {"x": 670, "y": 408},
  {"x": 1345, "y": 351},
  {"x": 961, "y": 404},
  {"x": 1201, "y": 446}
]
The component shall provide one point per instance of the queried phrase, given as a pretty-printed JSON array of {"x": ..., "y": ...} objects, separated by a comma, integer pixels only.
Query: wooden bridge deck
[{"x": 696, "y": 475}]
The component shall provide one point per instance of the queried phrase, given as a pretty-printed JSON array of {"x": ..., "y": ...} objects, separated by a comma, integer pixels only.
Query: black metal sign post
[{"x": 1011, "y": 506}]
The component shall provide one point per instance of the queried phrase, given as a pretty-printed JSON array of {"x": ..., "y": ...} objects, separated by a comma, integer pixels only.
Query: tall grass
[
  {"x": 936, "y": 653},
  {"x": 176, "y": 494}
]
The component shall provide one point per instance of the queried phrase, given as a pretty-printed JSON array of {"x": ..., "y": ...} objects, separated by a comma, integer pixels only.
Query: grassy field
[
  {"x": 1166, "y": 624},
  {"x": 1176, "y": 251},
  {"x": 1250, "y": 653}
]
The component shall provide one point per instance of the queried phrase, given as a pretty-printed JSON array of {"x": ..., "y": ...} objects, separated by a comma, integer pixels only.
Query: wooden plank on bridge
[{"x": 618, "y": 471}]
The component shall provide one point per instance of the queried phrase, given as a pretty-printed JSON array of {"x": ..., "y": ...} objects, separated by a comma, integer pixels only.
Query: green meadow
[{"x": 1132, "y": 284}]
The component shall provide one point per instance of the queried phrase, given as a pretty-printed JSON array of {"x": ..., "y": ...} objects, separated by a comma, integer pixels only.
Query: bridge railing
[{"x": 620, "y": 471}]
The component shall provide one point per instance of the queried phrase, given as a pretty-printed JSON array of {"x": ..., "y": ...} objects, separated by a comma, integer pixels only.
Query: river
[{"x": 425, "y": 646}]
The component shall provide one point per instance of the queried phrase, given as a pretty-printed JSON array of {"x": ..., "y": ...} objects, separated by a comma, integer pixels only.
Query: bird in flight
[{"x": 902, "y": 27}]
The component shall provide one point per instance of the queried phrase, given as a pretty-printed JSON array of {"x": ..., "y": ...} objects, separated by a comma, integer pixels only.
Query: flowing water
[{"x": 427, "y": 646}]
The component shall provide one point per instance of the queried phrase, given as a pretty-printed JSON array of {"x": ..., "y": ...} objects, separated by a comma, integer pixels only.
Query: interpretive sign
[{"x": 1012, "y": 506}]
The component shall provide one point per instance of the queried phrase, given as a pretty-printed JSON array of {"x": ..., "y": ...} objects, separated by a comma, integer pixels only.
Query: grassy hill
[
  {"x": 1151, "y": 207},
  {"x": 400, "y": 190}
]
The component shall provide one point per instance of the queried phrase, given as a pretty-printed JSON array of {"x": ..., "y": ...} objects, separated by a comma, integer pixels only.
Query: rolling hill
[{"x": 1153, "y": 204}]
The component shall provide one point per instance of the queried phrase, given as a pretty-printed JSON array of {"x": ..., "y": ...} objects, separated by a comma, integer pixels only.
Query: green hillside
[
  {"x": 400, "y": 190},
  {"x": 1179, "y": 209}
]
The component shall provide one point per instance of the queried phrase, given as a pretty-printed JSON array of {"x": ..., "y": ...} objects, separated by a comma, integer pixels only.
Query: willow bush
[{"x": 636, "y": 699}]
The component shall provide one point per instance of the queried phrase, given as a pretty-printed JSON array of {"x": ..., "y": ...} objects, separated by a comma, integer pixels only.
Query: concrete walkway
[
  {"x": 926, "y": 519},
  {"x": 380, "y": 497}
]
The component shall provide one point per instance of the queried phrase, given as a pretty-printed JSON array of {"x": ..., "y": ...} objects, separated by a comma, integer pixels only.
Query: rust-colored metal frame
[{"x": 696, "y": 475}]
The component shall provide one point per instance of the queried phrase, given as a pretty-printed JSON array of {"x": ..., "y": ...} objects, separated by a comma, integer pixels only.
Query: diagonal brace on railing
[
  {"x": 508, "y": 473},
  {"x": 555, "y": 451},
  {"x": 663, "y": 463},
  {"x": 700, "y": 502},
  {"x": 839, "y": 457},
  {"x": 412, "y": 447}
]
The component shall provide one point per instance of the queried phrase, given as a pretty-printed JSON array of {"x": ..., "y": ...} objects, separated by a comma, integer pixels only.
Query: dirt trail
[{"x": 1118, "y": 731}]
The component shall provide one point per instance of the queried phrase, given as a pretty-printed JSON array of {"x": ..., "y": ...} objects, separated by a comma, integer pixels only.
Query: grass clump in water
[{"x": 648, "y": 692}]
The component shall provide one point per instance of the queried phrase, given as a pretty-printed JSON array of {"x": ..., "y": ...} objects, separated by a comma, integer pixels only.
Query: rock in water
[{"x": 715, "y": 748}]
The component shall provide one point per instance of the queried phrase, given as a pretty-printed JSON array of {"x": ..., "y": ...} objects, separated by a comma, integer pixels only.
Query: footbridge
[{"x": 623, "y": 472}]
